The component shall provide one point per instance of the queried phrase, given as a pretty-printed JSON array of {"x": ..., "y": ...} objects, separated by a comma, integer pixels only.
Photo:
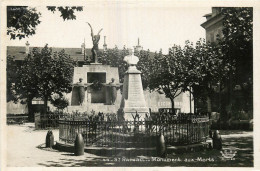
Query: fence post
[
  {"x": 49, "y": 139},
  {"x": 161, "y": 146},
  {"x": 79, "y": 145},
  {"x": 217, "y": 140}
]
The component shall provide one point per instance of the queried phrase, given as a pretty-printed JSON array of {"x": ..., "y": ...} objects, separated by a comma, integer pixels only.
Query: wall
[
  {"x": 18, "y": 108},
  {"x": 214, "y": 30},
  {"x": 81, "y": 72}
]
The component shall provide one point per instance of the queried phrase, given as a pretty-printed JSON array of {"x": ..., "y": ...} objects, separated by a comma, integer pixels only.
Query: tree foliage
[
  {"x": 143, "y": 66},
  {"x": 205, "y": 64},
  {"x": 60, "y": 102},
  {"x": 198, "y": 69},
  {"x": 22, "y": 21},
  {"x": 115, "y": 58},
  {"x": 206, "y": 69},
  {"x": 237, "y": 42},
  {"x": 237, "y": 48},
  {"x": 67, "y": 13},
  {"x": 166, "y": 73},
  {"x": 11, "y": 78},
  {"x": 44, "y": 73},
  {"x": 238, "y": 26}
]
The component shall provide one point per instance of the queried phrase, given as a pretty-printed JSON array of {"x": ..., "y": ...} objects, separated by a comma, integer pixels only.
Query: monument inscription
[{"x": 135, "y": 90}]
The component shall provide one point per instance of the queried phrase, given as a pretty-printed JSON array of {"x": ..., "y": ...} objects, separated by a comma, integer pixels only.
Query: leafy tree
[
  {"x": 166, "y": 72},
  {"x": 43, "y": 74},
  {"x": 237, "y": 48},
  {"x": 23, "y": 20},
  {"x": 11, "y": 78},
  {"x": 115, "y": 58},
  {"x": 238, "y": 28},
  {"x": 143, "y": 66},
  {"x": 67, "y": 13},
  {"x": 205, "y": 69}
]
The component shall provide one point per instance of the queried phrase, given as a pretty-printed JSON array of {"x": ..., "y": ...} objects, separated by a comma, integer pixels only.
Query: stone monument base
[
  {"x": 129, "y": 113},
  {"x": 95, "y": 63},
  {"x": 97, "y": 107},
  {"x": 130, "y": 116}
]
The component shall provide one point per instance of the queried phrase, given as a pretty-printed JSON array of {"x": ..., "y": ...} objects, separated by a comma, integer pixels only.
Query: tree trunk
[
  {"x": 195, "y": 98},
  {"x": 45, "y": 106},
  {"x": 173, "y": 110},
  {"x": 195, "y": 103},
  {"x": 30, "y": 110},
  {"x": 209, "y": 104},
  {"x": 190, "y": 103}
]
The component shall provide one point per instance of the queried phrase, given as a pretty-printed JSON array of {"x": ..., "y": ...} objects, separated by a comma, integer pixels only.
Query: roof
[
  {"x": 75, "y": 53},
  {"x": 207, "y": 15},
  {"x": 211, "y": 20},
  {"x": 213, "y": 17},
  {"x": 19, "y": 52}
]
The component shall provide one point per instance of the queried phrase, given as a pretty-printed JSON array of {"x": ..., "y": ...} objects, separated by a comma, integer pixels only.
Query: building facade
[{"x": 213, "y": 24}]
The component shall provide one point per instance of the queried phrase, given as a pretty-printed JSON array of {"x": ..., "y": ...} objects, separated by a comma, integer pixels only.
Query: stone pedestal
[
  {"x": 133, "y": 96},
  {"x": 106, "y": 99},
  {"x": 95, "y": 63}
]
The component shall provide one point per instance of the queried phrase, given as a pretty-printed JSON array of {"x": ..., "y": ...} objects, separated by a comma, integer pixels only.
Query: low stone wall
[{"x": 232, "y": 124}]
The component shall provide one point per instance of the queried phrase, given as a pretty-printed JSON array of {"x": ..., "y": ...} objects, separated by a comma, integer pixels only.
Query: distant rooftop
[
  {"x": 19, "y": 52},
  {"x": 215, "y": 15}
]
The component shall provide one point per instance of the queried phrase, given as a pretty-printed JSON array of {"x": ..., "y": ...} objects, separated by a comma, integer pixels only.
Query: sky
[{"x": 157, "y": 26}]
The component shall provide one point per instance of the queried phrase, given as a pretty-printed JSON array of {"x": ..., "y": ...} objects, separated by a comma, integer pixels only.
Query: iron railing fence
[
  {"x": 51, "y": 120},
  {"x": 179, "y": 130}
]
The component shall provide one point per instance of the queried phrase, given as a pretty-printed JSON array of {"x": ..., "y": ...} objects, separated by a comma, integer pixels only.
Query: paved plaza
[{"x": 25, "y": 148}]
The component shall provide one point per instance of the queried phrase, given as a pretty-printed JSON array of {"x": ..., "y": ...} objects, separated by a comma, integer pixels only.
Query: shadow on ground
[{"x": 210, "y": 158}]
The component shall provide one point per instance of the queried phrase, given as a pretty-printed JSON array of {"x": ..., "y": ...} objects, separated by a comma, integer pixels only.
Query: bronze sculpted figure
[
  {"x": 95, "y": 40},
  {"x": 112, "y": 92},
  {"x": 81, "y": 91}
]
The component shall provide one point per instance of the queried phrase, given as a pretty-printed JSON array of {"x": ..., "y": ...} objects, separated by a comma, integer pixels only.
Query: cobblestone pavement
[{"x": 24, "y": 148}]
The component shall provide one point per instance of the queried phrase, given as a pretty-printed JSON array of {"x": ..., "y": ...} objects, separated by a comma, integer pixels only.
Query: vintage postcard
[{"x": 129, "y": 84}]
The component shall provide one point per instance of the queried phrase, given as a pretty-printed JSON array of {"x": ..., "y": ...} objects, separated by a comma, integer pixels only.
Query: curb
[{"x": 109, "y": 151}]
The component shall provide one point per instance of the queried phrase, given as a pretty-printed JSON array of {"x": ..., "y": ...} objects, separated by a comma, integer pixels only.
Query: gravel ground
[{"x": 25, "y": 149}]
